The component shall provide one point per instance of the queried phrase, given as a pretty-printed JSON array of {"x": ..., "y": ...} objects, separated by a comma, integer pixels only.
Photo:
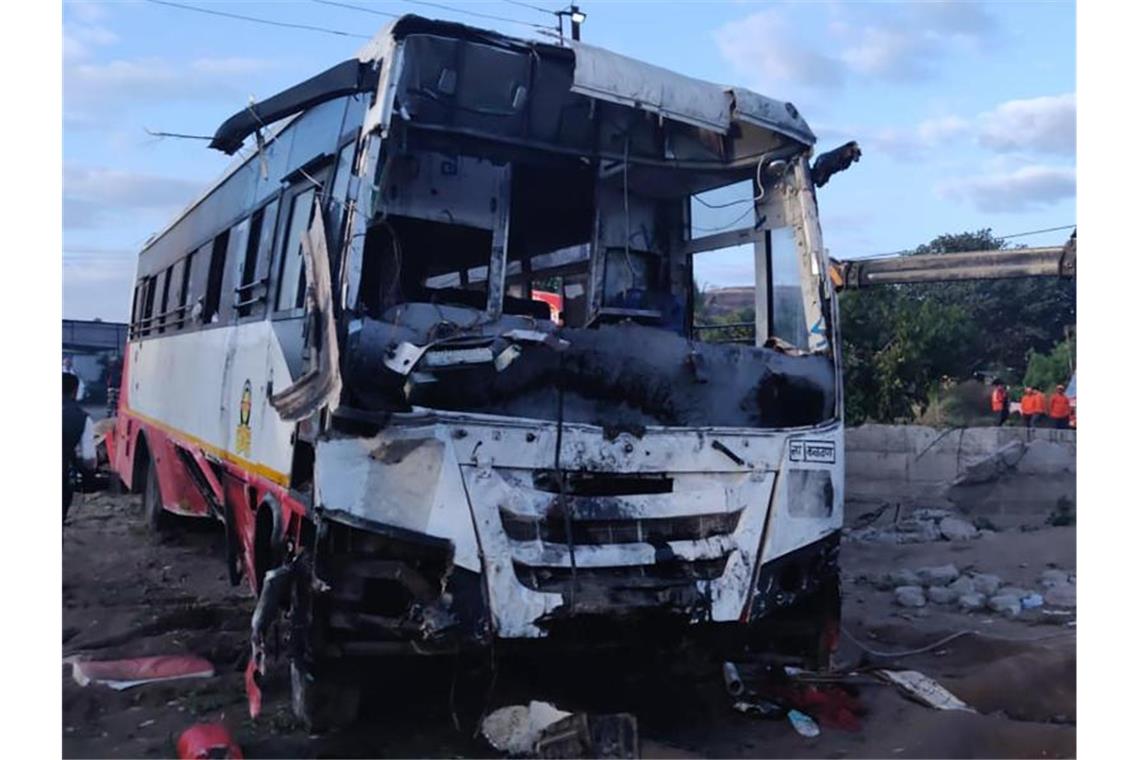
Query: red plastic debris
[
  {"x": 832, "y": 706},
  {"x": 123, "y": 674},
  {"x": 252, "y": 690},
  {"x": 207, "y": 740}
]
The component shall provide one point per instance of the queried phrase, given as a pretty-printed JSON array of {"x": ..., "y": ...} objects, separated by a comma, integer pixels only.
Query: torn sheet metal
[
  {"x": 768, "y": 113},
  {"x": 125, "y": 674},
  {"x": 608, "y": 76},
  {"x": 923, "y": 689},
  {"x": 321, "y": 384}
]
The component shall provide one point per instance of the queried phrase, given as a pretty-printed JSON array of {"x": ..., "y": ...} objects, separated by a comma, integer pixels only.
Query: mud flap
[{"x": 275, "y": 589}]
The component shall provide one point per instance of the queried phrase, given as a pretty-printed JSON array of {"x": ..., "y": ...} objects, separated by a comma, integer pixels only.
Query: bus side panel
[{"x": 179, "y": 493}]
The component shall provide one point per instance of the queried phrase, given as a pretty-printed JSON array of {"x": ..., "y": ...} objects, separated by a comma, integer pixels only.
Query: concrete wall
[{"x": 919, "y": 465}]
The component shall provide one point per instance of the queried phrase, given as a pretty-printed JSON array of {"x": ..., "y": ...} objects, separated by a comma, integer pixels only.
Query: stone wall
[{"x": 994, "y": 471}]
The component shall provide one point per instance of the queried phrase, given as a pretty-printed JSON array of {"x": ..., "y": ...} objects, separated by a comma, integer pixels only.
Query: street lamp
[{"x": 577, "y": 17}]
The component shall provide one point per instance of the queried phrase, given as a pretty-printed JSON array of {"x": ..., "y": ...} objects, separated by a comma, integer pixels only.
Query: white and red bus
[{"x": 337, "y": 351}]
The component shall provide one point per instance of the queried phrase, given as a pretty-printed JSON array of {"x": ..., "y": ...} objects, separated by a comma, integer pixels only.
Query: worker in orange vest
[
  {"x": 1060, "y": 408},
  {"x": 999, "y": 401},
  {"x": 1032, "y": 404}
]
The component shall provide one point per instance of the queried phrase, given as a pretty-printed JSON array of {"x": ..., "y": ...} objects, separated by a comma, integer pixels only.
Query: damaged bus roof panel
[{"x": 606, "y": 75}]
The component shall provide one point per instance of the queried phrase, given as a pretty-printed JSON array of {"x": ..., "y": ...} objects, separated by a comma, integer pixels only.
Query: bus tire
[
  {"x": 156, "y": 517},
  {"x": 322, "y": 703}
]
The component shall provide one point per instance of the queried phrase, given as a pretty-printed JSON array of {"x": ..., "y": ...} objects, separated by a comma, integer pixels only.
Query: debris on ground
[
  {"x": 542, "y": 730},
  {"x": 593, "y": 736},
  {"x": 125, "y": 674},
  {"x": 923, "y": 689},
  {"x": 732, "y": 681},
  {"x": 207, "y": 740},
  {"x": 942, "y": 575},
  {"x": 1063, "y": 595},
  {"x": 760, "y": 707},
  {"x": 803, "y": 724}
]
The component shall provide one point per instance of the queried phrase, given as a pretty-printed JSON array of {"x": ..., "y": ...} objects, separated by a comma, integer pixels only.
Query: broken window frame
[
  {"x": 251, "y": 294},
  {"x": 789, "y": 203}
]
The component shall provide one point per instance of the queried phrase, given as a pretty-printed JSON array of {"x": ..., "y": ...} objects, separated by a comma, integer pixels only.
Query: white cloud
[
  {"x": 766, "y": 44},
  {"x": 95, "y": 196},
  {"x": 1023, "y": 189},
  {"x": 1034, "y": 126},
  {"x": 1041, "y": 125},
  {"x": 95, "y": 90},
  {"x": 80, "y": 39},
  {"x": 897, "y": 42}
]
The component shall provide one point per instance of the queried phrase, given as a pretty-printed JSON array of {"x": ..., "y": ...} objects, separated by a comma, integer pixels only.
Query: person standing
[
  {"x": 1032, "y": 406},
  {"x": 1060, "y": 408},
  {"x": 78, "y": 438},
  {"x": 999, "y": 401}
]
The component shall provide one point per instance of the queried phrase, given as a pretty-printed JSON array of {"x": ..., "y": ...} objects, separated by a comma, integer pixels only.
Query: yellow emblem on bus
[{"x": 243, "y": 438}]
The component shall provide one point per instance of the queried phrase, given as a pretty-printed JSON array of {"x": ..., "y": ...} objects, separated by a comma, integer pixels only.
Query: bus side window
[
  {"x": 136, "y": 306},
  {"x": 214, "y": 279},
  {"x": 184, "y": 294},
  {"x": 163, "y": 297},
  {"x": 253, "y": 292},
  {"x": 291, "y": 272},
  {"x": 148, "y": 305}
]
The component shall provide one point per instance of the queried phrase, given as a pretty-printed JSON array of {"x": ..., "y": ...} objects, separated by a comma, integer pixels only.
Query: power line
[
  {"x": 360, "y": 8},
  {"x": 1001, "y": 237},
  {"x": 1037, "y": 232},
  {"x": 478, "y": 14},
  {"x": 441, "y": 6},
  {"x": 538, "y": 8},
  {"x": 256, "y": 20}
]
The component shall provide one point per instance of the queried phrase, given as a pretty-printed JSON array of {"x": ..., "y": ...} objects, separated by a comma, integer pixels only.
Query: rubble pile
[
  {"x": 945, "y": 585},
  {"x": 922, "y": 526}
]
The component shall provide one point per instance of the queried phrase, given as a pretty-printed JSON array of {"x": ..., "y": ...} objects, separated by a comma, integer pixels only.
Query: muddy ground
[{"x": 128, "y": 593}]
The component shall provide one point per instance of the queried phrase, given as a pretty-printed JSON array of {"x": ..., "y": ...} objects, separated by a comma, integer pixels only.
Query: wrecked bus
[{"x": 336, "y": 351}]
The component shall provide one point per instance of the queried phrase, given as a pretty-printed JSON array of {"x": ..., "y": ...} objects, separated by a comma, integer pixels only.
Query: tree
[{"x": 900, "y": 341}]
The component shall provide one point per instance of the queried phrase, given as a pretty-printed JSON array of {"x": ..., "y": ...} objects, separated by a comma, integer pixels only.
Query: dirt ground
[{"x": 127, "y": 593}]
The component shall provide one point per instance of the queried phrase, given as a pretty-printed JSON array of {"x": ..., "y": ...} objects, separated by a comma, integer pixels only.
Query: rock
[
  {"x": 986, "y": 533},
  {"x": 964, "y": 585},
  {"x": 927, "y": 513},
  {"x": 1013, "y": 591},
  {"x": 882, "y": 582},
  {"x": 910, "y": 596},
  {"x": 992, "y": 467},
  {"x": 985, "y": 583},
  {"x": 1032, "y": 601},
  {"x": 915, "y": 531},
  {"x": 1006, "y": 604},
  {"x": 941, "y": 595},
  {"x": 971, "y": 602},
  {"x": 939, "y": 575},
  {"x": 1051, "y": 578},
  {"x": 953, "y": 529},
  {"x": 1062, "y": 595},
  {"x": 903, "y": 577}
]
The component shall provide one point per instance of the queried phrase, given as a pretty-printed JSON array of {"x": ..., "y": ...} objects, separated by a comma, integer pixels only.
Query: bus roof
[{"x": 598, "y": 73}]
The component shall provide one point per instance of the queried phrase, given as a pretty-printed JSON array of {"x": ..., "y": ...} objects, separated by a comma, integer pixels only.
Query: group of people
[{"x": 1036, "y": 407}]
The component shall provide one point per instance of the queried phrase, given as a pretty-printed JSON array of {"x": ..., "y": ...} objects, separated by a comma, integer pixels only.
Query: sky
[{"x": 965, "y": 112}]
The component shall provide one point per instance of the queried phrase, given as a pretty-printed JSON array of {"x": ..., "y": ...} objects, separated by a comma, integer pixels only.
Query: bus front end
[{"x": 638, "y": 464}]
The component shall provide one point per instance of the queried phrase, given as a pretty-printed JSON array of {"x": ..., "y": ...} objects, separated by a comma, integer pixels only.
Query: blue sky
[{"x": 966, "y": 112}]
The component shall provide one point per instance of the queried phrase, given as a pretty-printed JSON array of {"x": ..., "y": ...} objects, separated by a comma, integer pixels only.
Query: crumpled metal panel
[
  {"x": 770, "y": 114},
  {"x": 608, "y": 76}
]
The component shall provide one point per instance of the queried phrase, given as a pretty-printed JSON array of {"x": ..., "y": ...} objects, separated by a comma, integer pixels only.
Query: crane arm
[{"x": 1050, "y": 261}]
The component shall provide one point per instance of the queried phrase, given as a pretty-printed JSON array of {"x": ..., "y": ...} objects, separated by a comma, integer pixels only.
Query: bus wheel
[
  {"x": 156, "y": 517},
  {"x": 322, "y": 703}
]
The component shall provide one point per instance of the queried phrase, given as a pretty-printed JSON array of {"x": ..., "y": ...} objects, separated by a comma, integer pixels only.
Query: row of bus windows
[{"x": 231, "y": 277}]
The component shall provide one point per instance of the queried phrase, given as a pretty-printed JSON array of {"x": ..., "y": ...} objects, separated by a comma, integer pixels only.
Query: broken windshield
[{"x": 513, "y": 265}]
